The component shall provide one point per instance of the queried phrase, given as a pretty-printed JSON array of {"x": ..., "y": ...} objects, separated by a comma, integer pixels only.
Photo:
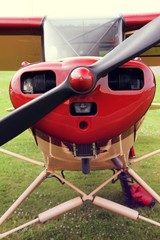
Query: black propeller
[
  {"x": 132, "y": 47},
  {"x": 27, "y": 115}
]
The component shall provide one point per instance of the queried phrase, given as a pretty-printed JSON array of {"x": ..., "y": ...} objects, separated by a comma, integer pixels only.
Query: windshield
[{"x": 80, "y": 37}]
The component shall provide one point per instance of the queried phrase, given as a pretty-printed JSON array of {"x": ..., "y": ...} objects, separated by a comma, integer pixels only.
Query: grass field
[{"x": 87, "y": 222}]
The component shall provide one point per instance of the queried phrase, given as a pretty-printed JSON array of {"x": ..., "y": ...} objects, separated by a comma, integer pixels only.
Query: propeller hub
[{"x": 81, "y": 79}]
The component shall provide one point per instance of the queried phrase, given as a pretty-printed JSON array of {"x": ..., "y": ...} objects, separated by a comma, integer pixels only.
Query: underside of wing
[
  {"x": 152, "y": 56},
  {"x": 20, "y": 40},
  {"x": 134, "y": 22}
]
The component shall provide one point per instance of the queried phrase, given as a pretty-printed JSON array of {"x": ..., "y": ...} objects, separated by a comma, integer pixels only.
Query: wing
[
  {"x": 135, "y": 22},
  {"x": 20, "y": 40}
]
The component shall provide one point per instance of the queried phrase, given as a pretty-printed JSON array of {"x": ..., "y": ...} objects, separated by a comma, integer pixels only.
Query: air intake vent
[
  {"x": 37, "y": 82},
  {"x": 126, "y": 79}
]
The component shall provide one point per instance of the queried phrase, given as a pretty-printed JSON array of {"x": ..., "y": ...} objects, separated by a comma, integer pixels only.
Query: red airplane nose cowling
[{"x": 117, "y": 102}]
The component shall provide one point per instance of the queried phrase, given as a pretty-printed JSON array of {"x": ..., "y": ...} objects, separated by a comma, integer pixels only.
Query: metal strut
[{"x": 78, "y": 201}]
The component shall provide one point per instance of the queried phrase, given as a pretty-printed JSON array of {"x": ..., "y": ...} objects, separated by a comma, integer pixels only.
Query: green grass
[{"x": 87, "y": 222}]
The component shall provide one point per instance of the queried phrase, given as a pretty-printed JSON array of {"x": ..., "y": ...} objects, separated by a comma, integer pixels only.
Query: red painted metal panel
[
  {"x": 136, "y": 21},
  {"x": 19, "y": 23}
]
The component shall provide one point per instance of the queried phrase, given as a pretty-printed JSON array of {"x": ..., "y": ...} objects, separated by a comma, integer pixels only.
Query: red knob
[{"x": 81, "y": 79}]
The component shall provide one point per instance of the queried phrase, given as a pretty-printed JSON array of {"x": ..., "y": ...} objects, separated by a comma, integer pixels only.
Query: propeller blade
[
  {"x": 132, "y": 47},
  {"x": 30, "y": 113}
]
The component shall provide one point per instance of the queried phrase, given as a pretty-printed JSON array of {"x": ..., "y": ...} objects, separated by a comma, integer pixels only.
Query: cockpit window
[{"x": 80, "y": 37}]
